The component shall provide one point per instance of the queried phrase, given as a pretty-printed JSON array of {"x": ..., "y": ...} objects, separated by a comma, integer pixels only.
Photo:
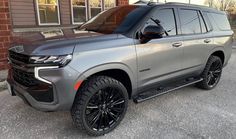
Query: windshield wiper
[{"x": 93, "y": 30}]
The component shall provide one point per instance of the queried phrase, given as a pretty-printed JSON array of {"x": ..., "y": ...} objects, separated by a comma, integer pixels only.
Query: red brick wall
[
  {"x": 5, "y": 32},
  {"x": 122, "y": 2}
]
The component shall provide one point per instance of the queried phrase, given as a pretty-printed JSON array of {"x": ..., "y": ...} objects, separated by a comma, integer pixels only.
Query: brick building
[
  {"x": 19, "y": 16},
  {"x": 5, "y": 32}
]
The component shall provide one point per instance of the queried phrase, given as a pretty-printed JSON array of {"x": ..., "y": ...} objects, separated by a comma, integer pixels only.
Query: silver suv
[{"x": 129, "y": 52}]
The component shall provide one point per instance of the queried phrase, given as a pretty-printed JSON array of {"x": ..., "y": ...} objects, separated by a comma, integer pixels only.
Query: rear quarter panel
[{"x": 223, "y": 40}]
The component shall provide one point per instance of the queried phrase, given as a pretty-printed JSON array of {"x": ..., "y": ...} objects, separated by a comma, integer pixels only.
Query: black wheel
[
  {"x": 100, "y": 105},
  {"x": 212, "y": 73}
]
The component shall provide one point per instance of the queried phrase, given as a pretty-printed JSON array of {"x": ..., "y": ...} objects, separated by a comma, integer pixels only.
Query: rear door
[{"x": 197, "y": 37}]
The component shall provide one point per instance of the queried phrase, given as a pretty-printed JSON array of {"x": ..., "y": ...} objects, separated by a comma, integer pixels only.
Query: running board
[{"x": 163, "y": 90}]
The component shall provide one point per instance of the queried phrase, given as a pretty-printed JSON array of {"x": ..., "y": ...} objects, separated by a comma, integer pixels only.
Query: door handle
[
  {"x": 177, "y": 44},
  {"x": 207, "y": 40}
]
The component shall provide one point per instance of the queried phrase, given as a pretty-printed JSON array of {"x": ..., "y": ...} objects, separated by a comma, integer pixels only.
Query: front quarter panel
[{"x": 99, "y": 55}]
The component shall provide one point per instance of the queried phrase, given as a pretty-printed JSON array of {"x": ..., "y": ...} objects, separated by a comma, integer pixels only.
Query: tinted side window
[
  {"x": 189, "y": 22},
  {"x": 220, "y": 20},
  {"x": 203, "y": 25},
  {"x": 167, "y": 20},
  {"x": 207, "y": 22}
]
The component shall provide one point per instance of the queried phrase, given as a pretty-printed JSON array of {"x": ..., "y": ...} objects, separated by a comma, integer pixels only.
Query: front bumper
[{"x": 54, "y": 92}]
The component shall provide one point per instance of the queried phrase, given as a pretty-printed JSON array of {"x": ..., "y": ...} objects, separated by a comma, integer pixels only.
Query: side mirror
[{"x": 153, "y": 32}]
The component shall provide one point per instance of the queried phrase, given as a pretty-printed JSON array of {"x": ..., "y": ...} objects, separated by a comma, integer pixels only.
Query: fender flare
[
  {"x": 213, "y": 51},
  {"x": 109, "y": 66}
]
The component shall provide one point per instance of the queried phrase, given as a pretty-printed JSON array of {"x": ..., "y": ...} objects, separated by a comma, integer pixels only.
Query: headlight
[{"x": 51, "y": 60}]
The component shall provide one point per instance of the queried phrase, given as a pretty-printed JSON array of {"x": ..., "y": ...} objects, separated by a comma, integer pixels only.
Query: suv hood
[{"x": 55, "y": 42}]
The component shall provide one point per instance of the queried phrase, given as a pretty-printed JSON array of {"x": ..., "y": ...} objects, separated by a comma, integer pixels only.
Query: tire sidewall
[
  {"x": 98, "y": 87},
  {"x": 211, "y": 60}
]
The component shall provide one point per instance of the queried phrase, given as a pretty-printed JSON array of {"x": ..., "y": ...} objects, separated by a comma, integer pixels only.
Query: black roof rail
[
  {"x": 150, "y": 3},
  {"x": 179, "y": 3}
]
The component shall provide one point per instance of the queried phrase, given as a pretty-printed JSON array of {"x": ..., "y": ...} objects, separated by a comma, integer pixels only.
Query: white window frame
[
  {"x": 94, "y": 7},
  {"x": 58, "y": 14},
  {"x": 72, "y": 13},
  {"x": 109, "y": 7}
]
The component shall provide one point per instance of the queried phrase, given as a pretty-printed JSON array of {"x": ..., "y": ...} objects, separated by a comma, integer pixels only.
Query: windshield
[{"x": 115, "y": 20}]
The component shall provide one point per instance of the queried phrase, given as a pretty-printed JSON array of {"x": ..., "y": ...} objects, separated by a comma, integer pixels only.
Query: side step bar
[{"x": 163, "y": 90}]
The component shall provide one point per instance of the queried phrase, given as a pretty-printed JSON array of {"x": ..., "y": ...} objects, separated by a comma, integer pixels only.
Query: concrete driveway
[{"x": 186, "y": 113}]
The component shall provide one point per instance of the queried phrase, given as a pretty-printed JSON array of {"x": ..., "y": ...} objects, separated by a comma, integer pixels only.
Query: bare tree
[{"x": 223, "y": 5}]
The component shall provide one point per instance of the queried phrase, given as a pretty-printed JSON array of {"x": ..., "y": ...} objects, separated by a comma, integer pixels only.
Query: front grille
[
  {"x": 24, "y": 78},
  {"x": 38, "y": 90},
  {"x": 19, "y": 57},
  {"x": 23, "y": 73}
]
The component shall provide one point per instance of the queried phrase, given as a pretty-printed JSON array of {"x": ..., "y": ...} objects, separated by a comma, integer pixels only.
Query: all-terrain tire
[
  {"x": 87, "y": 91},
  {"x": 204, "y": 84}
]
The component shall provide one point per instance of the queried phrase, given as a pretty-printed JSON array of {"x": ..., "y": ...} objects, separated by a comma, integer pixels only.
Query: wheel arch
[
  {"x": 117, "y": 71},
  {"x": 219, "y": 54},
  {"x": 218, "y": 51}
]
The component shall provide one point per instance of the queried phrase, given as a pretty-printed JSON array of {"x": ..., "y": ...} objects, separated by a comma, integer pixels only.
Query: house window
[
  {"x": 48, "y": 12},
  {"x": 109, "y": 4},
  {"x": 95, "y": 7},
  {"x": 79, "y": 11}
]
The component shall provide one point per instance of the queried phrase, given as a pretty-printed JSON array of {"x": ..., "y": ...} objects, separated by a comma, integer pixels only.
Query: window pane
[
  {"x": 220, "y": 20},
  {"x": 118, "y": 19},
  {"x": 95, "y": 11},
  {"x": 78, "y": 2},
  {"x": 109, "y": 4},
  {"x": 207, "y": 22},
  {"x": 47, "y": 2},
  {"x": 189, "y": 22},
  {"x": 203, "y": 25},
  {"x": 167, "y": 20},
  {"x": 48, "y": 14},
  {"x": 95, "y": 7},
  {"x": 95, "y": 3},
  {"x": 79, "y": 14}
]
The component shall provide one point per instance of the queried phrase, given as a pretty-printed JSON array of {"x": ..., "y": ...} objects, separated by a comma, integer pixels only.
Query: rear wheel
[
  {"x": 100, "y": 105},
  {"x": 212, "y": 73}
]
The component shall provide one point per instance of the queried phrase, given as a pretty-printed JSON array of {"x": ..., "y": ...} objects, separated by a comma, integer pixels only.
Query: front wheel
[
  {"x": 211, "y": 74},
  {"x": 100, "y": 105}
]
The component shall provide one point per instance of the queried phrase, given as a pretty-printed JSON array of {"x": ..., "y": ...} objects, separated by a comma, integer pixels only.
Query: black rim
[
  {"x": 214, "y": 73},
  {"x": 105, "y": 108}
]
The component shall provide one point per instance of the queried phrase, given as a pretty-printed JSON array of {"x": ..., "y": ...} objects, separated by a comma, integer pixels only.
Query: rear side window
[
  {"x": 203, "y": 25},
  {"x": 220, "y": 21},
  {"x": 207, "y": 22},
  {"x": 190, "y": 23}
]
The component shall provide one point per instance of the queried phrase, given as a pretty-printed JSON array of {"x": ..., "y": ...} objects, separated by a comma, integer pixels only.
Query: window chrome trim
[{"x": 36, "y": 73}]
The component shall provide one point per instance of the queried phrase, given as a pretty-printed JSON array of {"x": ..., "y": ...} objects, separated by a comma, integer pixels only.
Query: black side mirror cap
[{"x": 151, "y": 32}]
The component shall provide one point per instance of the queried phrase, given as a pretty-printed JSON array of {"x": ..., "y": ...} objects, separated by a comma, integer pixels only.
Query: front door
[{"x": 161, "y": 58}]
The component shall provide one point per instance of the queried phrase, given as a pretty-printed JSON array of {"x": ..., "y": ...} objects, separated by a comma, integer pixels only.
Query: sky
[{"x": 200, "y": 2}]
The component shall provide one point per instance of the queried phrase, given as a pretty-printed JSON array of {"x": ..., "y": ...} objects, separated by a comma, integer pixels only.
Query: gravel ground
[{"x": 186, "y": 113}]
